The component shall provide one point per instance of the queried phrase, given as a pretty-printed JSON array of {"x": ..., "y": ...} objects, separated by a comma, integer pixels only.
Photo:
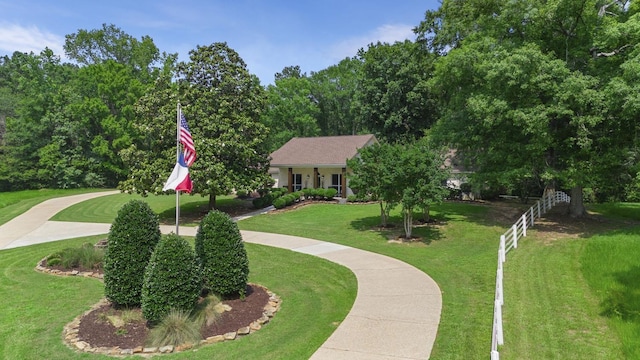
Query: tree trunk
[
  {"x": 576, "y": 206},
  {"x": 425, "y": 214},
  {"x": 408, "y": 223},
  {"x": 212, "y": 202},
  {"x": 383, "y": 215}
]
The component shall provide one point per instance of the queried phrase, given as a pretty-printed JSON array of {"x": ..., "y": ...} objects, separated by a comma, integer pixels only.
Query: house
[{"x": 317, "y": 162}]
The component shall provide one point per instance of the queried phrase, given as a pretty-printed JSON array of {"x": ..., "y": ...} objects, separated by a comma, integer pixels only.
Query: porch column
[
  {"x": 344, "y": 183},
  {"x": 290, "y": 180},
  {"x": 315, "y": 178}
]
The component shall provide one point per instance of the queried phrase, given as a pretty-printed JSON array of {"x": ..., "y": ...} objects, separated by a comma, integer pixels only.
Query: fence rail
[{"x": 508, "y": 242}]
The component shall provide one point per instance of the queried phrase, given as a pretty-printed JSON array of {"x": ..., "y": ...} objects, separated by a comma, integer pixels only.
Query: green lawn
[
  {"x": 316, "y": 295},
  {"x": 610, "y": 264},
  {"x": 551, "y": 310},
  {"x": 571, "y": 298},
  {"x": 105, "y": 209},
  {"x": 459, "y": 255},
  {"x": 17, "y": 202}
]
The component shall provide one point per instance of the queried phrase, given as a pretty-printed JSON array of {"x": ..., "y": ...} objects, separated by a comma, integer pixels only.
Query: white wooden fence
[{"x": 509, "y": 241}]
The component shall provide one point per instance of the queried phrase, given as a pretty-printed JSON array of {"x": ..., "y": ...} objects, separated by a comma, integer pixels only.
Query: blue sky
[{"x": 268, "y": 35}]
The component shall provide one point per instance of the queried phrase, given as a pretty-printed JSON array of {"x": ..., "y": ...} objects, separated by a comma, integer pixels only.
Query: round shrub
[
  {"x": 132, "y": 238},
  {"x": 330, "y": 193},
  {"x": 308, "y": 192},
  {"x": 223, "y": 258},
  {"x": 290, "y": 199},
  {"x": 279, "y": 203},
  {"x": 314, "y": 193},
  {"x": 171, "y": 279}
]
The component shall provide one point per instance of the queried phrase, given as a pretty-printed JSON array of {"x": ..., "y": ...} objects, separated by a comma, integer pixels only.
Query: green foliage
[
  {"x": 409, "y": 174},
  {"x": 132, "y": 239},
  {"x": 279, "y": 203},
  {"x": 330, "y": 193},
  {"x": 176, "y": 328},
  {"x": 86, "y": 256},
  {"x": 372, "y": 174},
  {"x": 291, "y": 112},
  {"x": 289, "y": 199},
  {"x": 393, "y": 100},
  {"x": 111, "y": 43},
  {"x": 220, "y": 249},
  {"x": 268, "y": 197},
  {"x": 222, "y": 103},
  {"x": 171, "y": 279},
  {"x": 334, "y": 89},
  {"x": 526, "y": 102},
  {"x": 67, "y": 123}
]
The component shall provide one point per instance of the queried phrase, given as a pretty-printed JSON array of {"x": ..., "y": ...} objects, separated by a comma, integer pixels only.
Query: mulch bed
[{"x": 99, "y": 332}]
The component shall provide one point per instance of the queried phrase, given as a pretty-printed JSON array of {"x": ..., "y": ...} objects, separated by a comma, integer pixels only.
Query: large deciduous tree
[
  {"x": 40, "y": 94},
  {"x": 89, "y": 47},
  {"x": 523, "y": 87},
  {"x": 334, "y": 89},
  {"x": 291, "y": 110},
  {"x": 222, "y": 102},
  {"x": 393, "y": 100}
]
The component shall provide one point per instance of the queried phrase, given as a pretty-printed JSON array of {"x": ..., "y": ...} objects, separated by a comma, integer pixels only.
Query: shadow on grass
[
  {"x": 191, "y": 213},
  {"x": 623, "y": 301},
  {"x": 425, "y": 233}
]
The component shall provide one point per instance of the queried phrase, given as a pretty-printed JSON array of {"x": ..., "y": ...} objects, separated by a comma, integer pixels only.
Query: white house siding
[{"x": 282, "y": 177}]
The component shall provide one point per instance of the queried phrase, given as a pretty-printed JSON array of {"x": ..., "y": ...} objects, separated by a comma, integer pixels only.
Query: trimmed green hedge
[
  {"x": 330, "y": 193},
  {"x": 268, "y": 196},
  {"x": 171, "y": 280},
  {"x": 132, "y": 238},
  {"x": 221, "y": 252}
]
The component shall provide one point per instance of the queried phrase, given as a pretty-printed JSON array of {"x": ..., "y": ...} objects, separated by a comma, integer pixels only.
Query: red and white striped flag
[{"x": 186, "y": 140}]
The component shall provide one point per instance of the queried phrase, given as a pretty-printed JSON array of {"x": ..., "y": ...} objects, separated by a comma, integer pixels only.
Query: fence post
[
  {"x": 524, "y": 225},
  {"x": 498, "y": 316},
  {"x": 495, "y": 355},
  {"x": 514, "y": 229},
  {"x": 539, "y": 208},
  {"x": 532, "y": 217},
  {"x": 499, "y": 285},
  {"x": 502, "y": 249}
]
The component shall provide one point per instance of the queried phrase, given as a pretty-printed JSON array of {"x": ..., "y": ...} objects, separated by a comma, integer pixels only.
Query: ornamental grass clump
[
  {"x": 132, "y": 239},
  {"x": 177, "y": 328},
  {"x": 171, "y": 280},
  {"x": 223, "y": 258}
]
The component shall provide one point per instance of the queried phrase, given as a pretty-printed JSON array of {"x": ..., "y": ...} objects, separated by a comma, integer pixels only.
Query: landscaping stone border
[{"x": 70, "y": 331}]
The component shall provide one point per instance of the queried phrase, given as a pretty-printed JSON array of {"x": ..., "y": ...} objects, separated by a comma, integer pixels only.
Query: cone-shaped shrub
[
  {"x": 132, "y": 238},
  {"x": 223, "y": 258},
  {"x": 171, "y": 280}
]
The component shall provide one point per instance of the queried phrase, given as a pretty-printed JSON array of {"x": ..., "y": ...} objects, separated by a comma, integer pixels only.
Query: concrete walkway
[{"x": 395, "y": 315}]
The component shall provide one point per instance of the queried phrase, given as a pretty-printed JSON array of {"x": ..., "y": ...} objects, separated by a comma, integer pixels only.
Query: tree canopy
[
  {"x": 523, "y": 88},
  {"x": 222, "y": 103},
  {"x": 409, "y": 174},
  {"x": 530, "y": 93}
]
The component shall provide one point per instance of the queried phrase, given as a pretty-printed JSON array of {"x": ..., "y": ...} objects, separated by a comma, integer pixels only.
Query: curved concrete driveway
[{"x": 395, "y": 315}]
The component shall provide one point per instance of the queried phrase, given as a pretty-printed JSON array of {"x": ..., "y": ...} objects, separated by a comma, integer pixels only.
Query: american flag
[{"x": 187, "y": 141}]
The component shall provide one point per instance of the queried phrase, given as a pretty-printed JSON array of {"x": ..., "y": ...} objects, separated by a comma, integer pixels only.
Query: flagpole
[{"x": 177, "y": 159}]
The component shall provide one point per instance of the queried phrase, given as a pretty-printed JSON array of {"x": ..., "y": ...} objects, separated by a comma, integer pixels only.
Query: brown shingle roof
[{"x": 319, "y": 151}]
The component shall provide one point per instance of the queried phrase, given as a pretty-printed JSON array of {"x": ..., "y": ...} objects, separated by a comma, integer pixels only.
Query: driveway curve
[{"x": 395, "y": 315}]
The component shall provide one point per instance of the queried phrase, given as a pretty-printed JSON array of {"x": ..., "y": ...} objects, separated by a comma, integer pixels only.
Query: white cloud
[
  {"x": 385, "y": 34},
  {"x": 28, "y": 39}
]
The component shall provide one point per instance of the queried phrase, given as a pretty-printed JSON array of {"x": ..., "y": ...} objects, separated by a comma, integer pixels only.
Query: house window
[
  {"x": 336, "y": 183},
  {"x": 297, "y": 182}
]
